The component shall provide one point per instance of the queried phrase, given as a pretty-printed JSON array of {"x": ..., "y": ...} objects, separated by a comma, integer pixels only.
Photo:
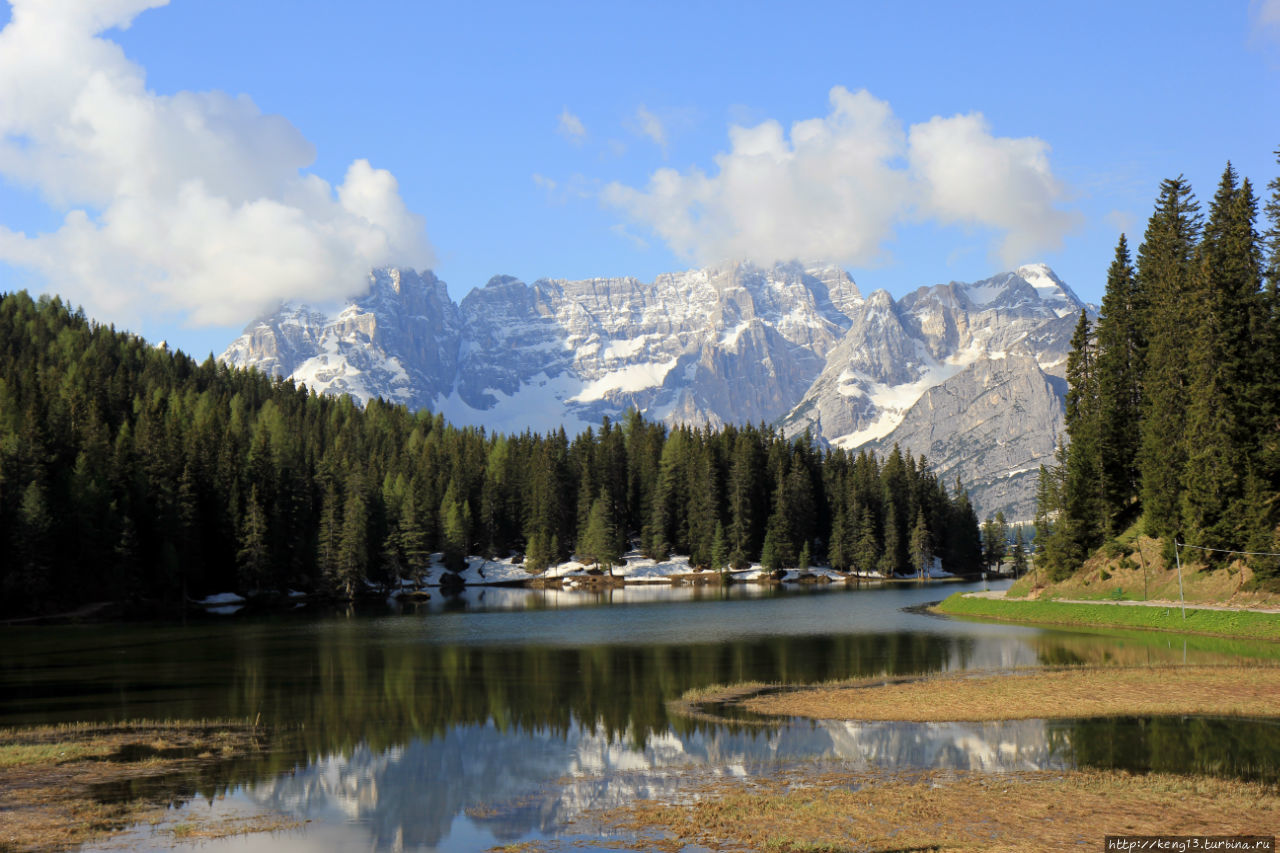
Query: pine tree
[
  {"x": 719, "y": 550},
  {"x": 599, "y": 544},
  {"x": 1019, "y": 555},
  {"x": 921, "y": 544},
  {"x": 770, "y": 559},
  {"x": 329, "y": 536},
  {"x": 890, "y": 562},
  {"x": 1218, "y": 366},
  {"x": 995, "y": 535},
  {"x": 839, "y": 547},
  {"x": 1119, "y": 385},
  {"x": 455, "y": 527},
  {"x": 741, "y": 488},
  {"x": 1264, "y": 516},
  {"x": 254, "y": 556},
  {"x": 866, "y": 549},
  {"x": 1164, "y": 277},
  {"x": 353, "y": 545},
  {"x": 411, "y": 538},
  {"x": 1082, "y": 503}
]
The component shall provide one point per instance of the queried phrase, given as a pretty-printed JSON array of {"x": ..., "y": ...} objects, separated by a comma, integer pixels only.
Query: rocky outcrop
[{"x": 991, "y": 427}]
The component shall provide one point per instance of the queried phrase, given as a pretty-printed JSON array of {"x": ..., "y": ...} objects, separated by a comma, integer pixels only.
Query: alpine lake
[{"x": 512, "y": 716}]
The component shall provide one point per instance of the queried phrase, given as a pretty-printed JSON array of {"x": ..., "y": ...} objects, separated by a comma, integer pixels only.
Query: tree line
[
  {"x": 1173, "y": 403},
  {"x": 128, "y": 472}
]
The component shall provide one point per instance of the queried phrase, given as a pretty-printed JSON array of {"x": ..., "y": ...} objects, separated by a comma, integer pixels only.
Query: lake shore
[
  {"x": 822, "y": 809},
  {"x": 1211, "y": 620},
  {"x": 836, "y": 810},
  {"x": 1076, "y": 692},
  {"x": 63, "y": 786}
]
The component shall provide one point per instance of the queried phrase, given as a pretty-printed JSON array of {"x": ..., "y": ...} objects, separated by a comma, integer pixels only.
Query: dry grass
[
  {"x": 1248, "y": 691},
  {"x": 1138, "y": 572},
  {"x": 943, "y": 810},
  {"x": 51, "y": 776},
  {"x": 209, "y": 829}
]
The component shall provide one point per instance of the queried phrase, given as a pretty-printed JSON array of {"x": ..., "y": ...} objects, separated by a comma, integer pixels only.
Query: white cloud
[
  {"x": 651, "y": 126},
  {"x": 193, "y": 204},
  {"x": 571, "y": 127},
  {"x": 836, "y": 188},
  {"x": 969, "y": 177}
]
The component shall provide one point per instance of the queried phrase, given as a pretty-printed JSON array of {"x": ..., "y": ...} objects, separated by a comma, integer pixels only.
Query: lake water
[{"x": 506, "y": 715}]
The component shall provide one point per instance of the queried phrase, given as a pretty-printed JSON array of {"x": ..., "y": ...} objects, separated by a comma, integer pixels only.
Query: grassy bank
[
  {"x": 945, "y": 810},
  {"x": 1221, "y": 623},
  {"x": 62, "y": 786},
  {"x": 1076, "y": 692}
]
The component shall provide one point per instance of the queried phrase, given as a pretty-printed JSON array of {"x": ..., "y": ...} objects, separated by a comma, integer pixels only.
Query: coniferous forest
[
  {"x": 1173, "y": 407},
  {"x": 130, "y": 473}
]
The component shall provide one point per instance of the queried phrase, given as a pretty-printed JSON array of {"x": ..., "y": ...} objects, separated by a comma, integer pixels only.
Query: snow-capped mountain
[{"x": 794, "y": 344}]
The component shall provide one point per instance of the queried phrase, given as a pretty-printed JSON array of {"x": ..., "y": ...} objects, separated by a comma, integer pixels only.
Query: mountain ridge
[{"x": 795, "y": 345}]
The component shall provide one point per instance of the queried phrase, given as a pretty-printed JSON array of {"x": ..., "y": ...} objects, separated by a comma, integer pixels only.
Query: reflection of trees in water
[
  {"x": 1210, "y": 746},
  {"x": 346, "y": 690},
  {"x": 1143, "y": 648}
]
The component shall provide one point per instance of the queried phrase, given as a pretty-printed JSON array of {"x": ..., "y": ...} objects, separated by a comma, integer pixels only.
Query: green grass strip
[{"x": 1221, "y": 623}]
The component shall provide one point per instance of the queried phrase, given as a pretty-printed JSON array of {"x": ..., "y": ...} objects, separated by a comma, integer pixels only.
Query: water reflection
[
  {"x": 506, "y": 714},
  {"x": 419, "y": 795}
]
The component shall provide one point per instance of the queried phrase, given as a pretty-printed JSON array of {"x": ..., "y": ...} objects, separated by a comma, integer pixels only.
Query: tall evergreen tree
[
  {"x": 1119, "y": 384},
  {"x": 353, "y": 545},
  {"x": 1218, "y": 366},
  {"x": 921, "y": 544},
  {"x": 1164, "y": 282},
  {"x": 599, "y": 544},
  {"x": 1083, "y": 504},
  {"x": 455, "y": 528},
  {"x": 1019, "y": 554},
  {"x": 254, "y": 555}
]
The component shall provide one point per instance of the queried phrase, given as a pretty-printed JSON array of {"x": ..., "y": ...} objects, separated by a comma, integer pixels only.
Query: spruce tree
[
  {"x": 1019, "y": 554},
  {"x": 719, "y": 549},
  {"x": 353, "y": 544},
  {"x": 866, "y": 549},
  {"x": 921, "y": 545},
  {"x": 741, "y": 488},
  {"x": 599, "y": 544},
  {"x": 455, "y": 528},
  {"x": 1264, "y": 516},
  {"x": 1164, "y": 282},
  {"x": 1083, "y": 506},
  {"x": 1119, "y": 385},
  {"x": 329, "y": 536},
  {"x": 254, "y": 556},
  {"x": 1225, "y": 289},
  {"x": 411, "y": 538}
]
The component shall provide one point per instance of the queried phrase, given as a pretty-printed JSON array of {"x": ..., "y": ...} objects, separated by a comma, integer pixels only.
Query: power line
[
  {"x": 1226, "y": 551},
  {"x": 1177, "y": 556}
]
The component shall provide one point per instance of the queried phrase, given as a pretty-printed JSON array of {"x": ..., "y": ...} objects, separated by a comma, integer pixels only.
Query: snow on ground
[{"x": 221, "y": 598}]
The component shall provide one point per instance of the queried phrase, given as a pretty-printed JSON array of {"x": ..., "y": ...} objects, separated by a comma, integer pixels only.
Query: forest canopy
[{"x": 131, "y": 472}]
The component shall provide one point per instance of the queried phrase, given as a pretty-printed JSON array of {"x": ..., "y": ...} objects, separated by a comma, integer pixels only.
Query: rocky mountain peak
[{"x": 794, "y": 343}]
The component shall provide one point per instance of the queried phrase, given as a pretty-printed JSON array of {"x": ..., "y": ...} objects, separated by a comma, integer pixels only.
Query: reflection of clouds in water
[{"x": 427, "y": 793}]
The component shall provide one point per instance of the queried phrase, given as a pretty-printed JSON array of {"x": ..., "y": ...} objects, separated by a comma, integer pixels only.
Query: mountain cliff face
[{"x": 793, "y": 345}]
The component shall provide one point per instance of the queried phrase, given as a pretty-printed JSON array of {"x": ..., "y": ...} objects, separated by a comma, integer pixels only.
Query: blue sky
[{"x": 178, "y": 175}]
